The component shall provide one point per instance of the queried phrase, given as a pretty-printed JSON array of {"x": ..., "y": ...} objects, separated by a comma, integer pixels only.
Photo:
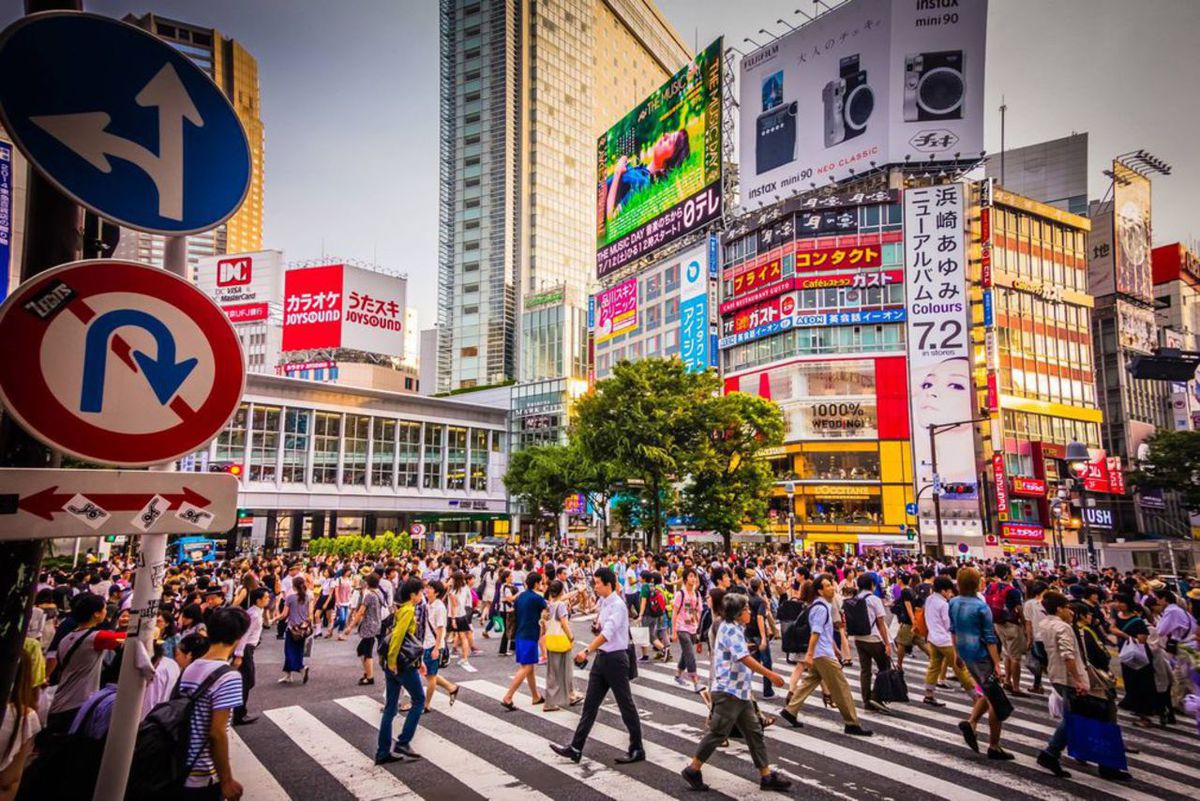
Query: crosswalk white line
[
  {"x": 822, "y": 747},
  {"x": 599, "y": 777},
  {"x": 720, "y": 780},
  {"x": 1078, "y": 777},
  {"x": 485, "y": 777},
  {"x": 356, "y": 771},
  {"x": 257, "y": 782},
  {"x": 1016, "y": 724}
]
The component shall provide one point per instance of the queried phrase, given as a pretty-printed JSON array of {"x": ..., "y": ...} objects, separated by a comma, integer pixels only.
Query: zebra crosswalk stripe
[
  {"x": 257, "y": 782},
  {"x": 486, "y": 778},
  {"x": 720, "y": 780},
  {"x": 612, "y": 783},
  {"x": 357, "y": 772}
]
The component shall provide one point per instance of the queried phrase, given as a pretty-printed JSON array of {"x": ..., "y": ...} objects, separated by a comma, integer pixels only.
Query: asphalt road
[{"x": 316, "y": 741}]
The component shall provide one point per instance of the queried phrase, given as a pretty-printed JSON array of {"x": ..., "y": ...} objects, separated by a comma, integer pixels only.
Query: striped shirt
[{"x": 226, "y": 693}]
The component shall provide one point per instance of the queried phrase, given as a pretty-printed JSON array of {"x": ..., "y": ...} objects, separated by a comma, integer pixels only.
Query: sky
[{"x": 350, "y": 104}]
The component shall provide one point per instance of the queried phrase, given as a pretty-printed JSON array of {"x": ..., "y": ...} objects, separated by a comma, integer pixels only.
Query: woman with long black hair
[
  {"x": 298, "y": 609},
  {"x": 1142, "y": 697}
]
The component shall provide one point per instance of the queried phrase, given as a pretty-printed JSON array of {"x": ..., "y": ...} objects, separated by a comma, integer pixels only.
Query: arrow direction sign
[
  {"x": 147, "y": 139},
  {"x": 39, "y": 504}
]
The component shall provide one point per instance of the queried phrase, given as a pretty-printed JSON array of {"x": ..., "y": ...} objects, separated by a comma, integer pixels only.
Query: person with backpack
[
  {"x": 78, "y": 660},
  {"x": 199, "y": 714},
  {"x": 976, "y": 644},
  {"x": 368, "y": 616},
  {"x": 905, "y": 611},
  {"x": 685, "y": 625},
  {"x": 1007, "y": 605},
  {"x": 652, "y": 606},
  {"x": 820, "y": 663},
  {"x": 402, "y": 658},
  {"x": 866, "y": 622}
]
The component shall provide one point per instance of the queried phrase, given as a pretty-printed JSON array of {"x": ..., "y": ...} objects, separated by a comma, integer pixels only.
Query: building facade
[
  {"x": 526, "y": 88},
  {"x": 235, "y": 71},
  {"x": 318, "y": 459}
]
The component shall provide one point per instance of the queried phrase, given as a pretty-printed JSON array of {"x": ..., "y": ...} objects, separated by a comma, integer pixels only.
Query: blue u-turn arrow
[{"x": 162, "y": 373}]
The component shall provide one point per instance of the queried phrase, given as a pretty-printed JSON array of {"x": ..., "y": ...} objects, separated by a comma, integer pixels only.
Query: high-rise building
[
  {"x": 1054, "y": 172},
  {"x": 526, "y": 88},
  {"x": 235, "y": 71}
]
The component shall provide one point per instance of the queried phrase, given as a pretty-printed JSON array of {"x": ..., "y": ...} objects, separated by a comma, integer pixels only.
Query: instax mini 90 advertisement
[{"x": 871, "y": 81}]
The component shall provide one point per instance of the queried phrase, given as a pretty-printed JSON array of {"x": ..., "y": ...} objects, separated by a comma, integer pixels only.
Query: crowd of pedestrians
[{"x": 1094, "y": 643}]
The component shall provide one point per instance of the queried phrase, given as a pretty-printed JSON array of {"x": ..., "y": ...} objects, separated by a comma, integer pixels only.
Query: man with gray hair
[{"x": 732, "y": 698}]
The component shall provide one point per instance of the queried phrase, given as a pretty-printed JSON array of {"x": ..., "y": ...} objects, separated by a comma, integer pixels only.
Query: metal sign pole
[{"x": 136, "y": 664}]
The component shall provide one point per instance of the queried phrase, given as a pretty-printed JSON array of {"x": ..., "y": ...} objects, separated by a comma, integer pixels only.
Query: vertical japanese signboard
[
  {"x": 693, "y": 308},
  {"x": 6, "y": 188},
  {"x": 938, "y": 324}
]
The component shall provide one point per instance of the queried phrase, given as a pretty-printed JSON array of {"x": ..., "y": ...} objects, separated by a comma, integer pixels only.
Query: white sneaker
[
  {"x": 285, "y": 679},
  {"x": 682, "y": 682},
  {"x": 467, "y": 666}
]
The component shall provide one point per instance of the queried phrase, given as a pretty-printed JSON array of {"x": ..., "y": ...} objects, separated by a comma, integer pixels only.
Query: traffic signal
[
  {"x": 911, "y": 533},
  {"x": 243, "y": 514},
  {"x": 957, "y": 489},
  {"x": 232, "y": 468}
]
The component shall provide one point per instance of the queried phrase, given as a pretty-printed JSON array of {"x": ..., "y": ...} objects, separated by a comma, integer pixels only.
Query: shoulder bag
[{"x": 558, "y": 638}]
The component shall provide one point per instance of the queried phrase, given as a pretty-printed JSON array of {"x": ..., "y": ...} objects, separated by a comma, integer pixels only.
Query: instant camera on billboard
[
  {"x": 1131, "y": 221},
  {"x": 659, "y": 167},
  {"x": 339, "y": 306},
  {"x": 243, "y": 284},
  {"x": 939, "y": 337},
  {"x": 866, "y": 84}
]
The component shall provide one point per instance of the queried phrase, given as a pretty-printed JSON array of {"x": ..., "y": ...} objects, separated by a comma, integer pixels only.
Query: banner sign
[
  {"x": 1001, "y": 485},
  {"x": 939, "y": 338},
  {"x": 1029, "y": 487},
  {"x": 696, "y": 267},
  {"x": 6, "y": 218},
  {"x": 815, "y": 203},
  {"x": 659, "y": 168},
  {"x": 238, "y": 281},
  {"x": 757, "y": 276},
  {"x": 247, "y": 312},
  {"x": 786, "y": 323},
  {"x": 339, "y": 306},
  {"x": 839, "y": 258},
  {"x": 616, "y": 310},
  {"x": 758, "y": 316},
  {"x": 851, "y": 280},
  {"x": 1023, "y": 532},
  {"x": 1104, "y": 474},
  {"x": 757, "y": 296}
]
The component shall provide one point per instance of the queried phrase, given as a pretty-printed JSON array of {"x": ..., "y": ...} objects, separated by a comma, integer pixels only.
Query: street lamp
[
  {"x": 790, "y": 487},
  {"x": 934, "y": 430},
  {"x": 1078, "y": 459}
]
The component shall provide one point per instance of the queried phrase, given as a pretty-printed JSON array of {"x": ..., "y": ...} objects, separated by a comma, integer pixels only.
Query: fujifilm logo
[
  {"x": 754, "y": 59},
  {"x": 934, "y": 5}
]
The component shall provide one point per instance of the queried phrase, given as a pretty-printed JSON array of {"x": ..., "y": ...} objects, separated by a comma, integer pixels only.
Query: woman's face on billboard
[{"x": 942, "y": 396}]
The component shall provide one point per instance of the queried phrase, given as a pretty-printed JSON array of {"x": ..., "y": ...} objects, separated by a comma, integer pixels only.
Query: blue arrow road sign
[
  {"x": 162, "y": 373},
  {"x": 122, "y": 122},
  {"x": 910, "y": 508}
]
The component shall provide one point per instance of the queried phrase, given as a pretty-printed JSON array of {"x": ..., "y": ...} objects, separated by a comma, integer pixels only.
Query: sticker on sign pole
[
  {"x": 86, "y": 512},
  {"x": 190, "y": 513},
  {"x": 119, "y": 363},
  {"x": 149, "y": 514}
]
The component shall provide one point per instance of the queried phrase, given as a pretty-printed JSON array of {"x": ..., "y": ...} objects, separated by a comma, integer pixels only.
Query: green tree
[
  {"x": 542, "y": 477},
  {"x": 1172, "y": 465},
  {"x": 648, "y": 421},
  {"x": 731, "y": 483}
]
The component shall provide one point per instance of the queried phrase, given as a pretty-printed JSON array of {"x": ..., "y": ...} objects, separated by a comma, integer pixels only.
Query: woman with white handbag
[{"x": 1142, "y": 697}]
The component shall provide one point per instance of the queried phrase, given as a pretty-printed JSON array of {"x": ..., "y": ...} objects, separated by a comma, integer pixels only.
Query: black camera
[
  {"x": 849, "y": 102},
  {"x": 934, "y": 86}
]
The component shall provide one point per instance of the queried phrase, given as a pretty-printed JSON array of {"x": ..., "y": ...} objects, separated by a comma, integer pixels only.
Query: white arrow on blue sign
[{"x": 143, "y": 138}]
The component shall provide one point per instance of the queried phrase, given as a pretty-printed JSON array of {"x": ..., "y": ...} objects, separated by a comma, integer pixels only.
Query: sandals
[
  {"x": 364, "y": 681},
  {"x": 453, "y": 695},
  {"x": 541, "y": 700},
  {"x": 509, "y": 705},
  {"x": 827, "y": 699}
]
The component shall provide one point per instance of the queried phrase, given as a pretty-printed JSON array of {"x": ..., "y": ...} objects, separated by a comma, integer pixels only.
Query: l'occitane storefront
[{"x": 847, "y": 454}]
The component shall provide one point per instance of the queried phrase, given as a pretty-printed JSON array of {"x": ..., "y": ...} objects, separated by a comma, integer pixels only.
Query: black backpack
[
  {"x": 797, "y": 633},
  {"x": 858, "y": 621},
  {"x": 160, "y": 754}
]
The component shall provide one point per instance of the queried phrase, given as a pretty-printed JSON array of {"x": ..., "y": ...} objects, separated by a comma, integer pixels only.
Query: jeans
[
  {"x": 764, "y": 656},
  {"x": 247, "y": 671},
  {"x": 341, "y": 618},
  {"x": 1058, "y": 740},
  {"x": 410, "y": 680}
]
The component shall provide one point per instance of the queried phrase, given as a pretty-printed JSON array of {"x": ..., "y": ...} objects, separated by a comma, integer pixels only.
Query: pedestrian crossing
[{"x": 476, "y": 749}]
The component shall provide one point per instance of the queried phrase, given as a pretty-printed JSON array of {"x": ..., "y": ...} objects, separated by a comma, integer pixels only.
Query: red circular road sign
[{"x": 118, "y": 362}]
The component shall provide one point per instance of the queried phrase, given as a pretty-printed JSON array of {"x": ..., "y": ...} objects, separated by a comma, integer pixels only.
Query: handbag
[
  {"x": 300, "y": 632},
  {"x": 890, "y": 686},
  {"x": 1098, "y": 741},
  {"x": 1089, "y": 706},
  {"x": 1055, "y": 705},
  {"x": 995, "y": 695},
  {"x": 919, "y": 626},
  {"x": 639, "y": 635},
  {"x": 1133, "y": 655},
  {"x": 557, "y": 641}
]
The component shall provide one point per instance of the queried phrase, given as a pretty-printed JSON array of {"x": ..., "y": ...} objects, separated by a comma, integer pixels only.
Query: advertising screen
[
  {"x": 939, "y": 341},
  {"x": 866, "y": 84},
  {"x": 659, "y": 168},
  {"x": 243, "y": 284},
  {"x": 338, "y": 306},
  {"x": 616, "y": 310},
  {"x": 696, "y": 267},
  {"x": 1131, "y": 221}
]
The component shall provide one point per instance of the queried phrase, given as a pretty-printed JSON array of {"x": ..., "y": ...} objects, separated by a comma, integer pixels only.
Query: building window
[
  {"x": 383, "y": 451},
  {"x": 231, "y": 442},
  {"x": 264, "y": 445},
  {"x": 327, "y": 430},
  {"x": 672, "y": 278},
  {"x": 456, "y": 459},
  {"x": 433, "y": 456},
  {"x": 479, "y": 459},
  {"x": 409, "y": 453},
  {"x": 296, "y": 425},
  {"x": 354, "y": 458}
]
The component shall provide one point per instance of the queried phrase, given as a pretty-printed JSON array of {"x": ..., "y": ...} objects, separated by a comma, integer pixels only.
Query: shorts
[
  {"x": 458, "y": 624},
  {"x": 431, "y": 665},
  {"x": 1013, "y": 644},
  {"x": 366, "y": 648},
  {"x": 905, "y": 635},
  {"x": 526, "y": 651},
  {"x": 981, "y": 671}
]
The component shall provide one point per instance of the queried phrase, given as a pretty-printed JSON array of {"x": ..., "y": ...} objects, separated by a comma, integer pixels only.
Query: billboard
[
  {"x": 616, "y": 310},
  {"x": 696, "y": 267},
  {"x": 339, "y": 306},
  {"x": 243, "y": 284},
  {"x": 869, "y": 83},
  {"x": 939, "y": 340},
  {"x": 1101, "y": 274},
  {"x": 1131, "y": 221},
  {"x": 659, "y": 168}
]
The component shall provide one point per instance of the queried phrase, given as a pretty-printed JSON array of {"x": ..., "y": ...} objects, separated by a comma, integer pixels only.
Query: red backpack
[
  {"x": 657, "y": 603},
  {"x": 996, "y": 595}
]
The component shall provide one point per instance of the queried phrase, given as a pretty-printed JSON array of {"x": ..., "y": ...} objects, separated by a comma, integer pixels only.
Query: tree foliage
[
  {"x": 542, "y": 477},
  {"x": 1172, "y": 465}
]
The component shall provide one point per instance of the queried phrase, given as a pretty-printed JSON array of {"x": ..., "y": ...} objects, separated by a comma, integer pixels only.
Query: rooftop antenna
[
  {"x": 789, "y": 27},
  {"x": 1003, "y": 111}
]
